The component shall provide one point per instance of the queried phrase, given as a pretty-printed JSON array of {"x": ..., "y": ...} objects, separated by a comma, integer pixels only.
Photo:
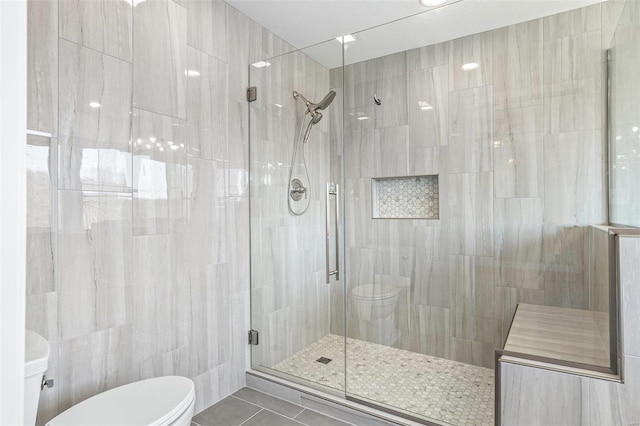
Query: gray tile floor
[{"x": 248, "y": 407}]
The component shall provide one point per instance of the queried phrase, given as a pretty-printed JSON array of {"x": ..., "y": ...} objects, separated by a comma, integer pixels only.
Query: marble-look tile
[
  {"x": 574, "y": 160},
  {"x": 573, "y": 65},
  {"x": 430, "y": 332},
  {"x": 518, "y": 165},
  {"x": 616, "y": 403},
  {"x": 95, "y": 122},
  {"x": 391, "y": 151},
  {"x": 629, "y": 249},
  {"x": 207, "y": 27},
  {"x": 472, "y": 352},
  {"x": 517, "y": 65},
  {"x": 102, "y": 25},
  {"x": 359, "y": 85},
  {"x": 506, "y": 301},
  {"x": 239, "y": 246},
  {"x": 430, "y": 267},
  {"x": 208, "y": 212},
  {"x": 160, "y": 54},
  {"x": 564, "y": 251},
  {"x": 207, "y": 106},
  {"x": 42, "y": 66},
  {"x": 391, "y": 88},
  {"x": 41, "y": 198},
  {"x": 571, "y": 23},
  {"x": 428, "y": 56},
  {"x": 518, "y": 242},
  {"x": 471, "y": 294},
  {"x": 358, "y": 213},
  {"x": 160, "y": 305},
  {"x": 359, "y": 151},
  {"x": 564, "y": 395},
  {"x": 428, "y": 105},
  {"x": 573, "y": 81},
  {"x": 82, "y": 374},
  {"x": 471, "y": 130},
  {"x": 94, "y": 249},
  {"x": 512, "y": 121},
  {"x": 238, "y": 148},
  {"x": 244, "y": 41},
  {"x": 471, "y": 214},
  {"x": 611, "y": 13},
  {"x": 159, "y": 173},
  {"x": 478, "y": 49}
]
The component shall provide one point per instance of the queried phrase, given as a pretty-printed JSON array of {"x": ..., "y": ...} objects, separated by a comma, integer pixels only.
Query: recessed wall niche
[{"x": 407, "y": 197}]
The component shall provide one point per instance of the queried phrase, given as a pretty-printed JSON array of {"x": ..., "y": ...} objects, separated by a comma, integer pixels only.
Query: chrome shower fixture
[{"x": 314, "y": 109}]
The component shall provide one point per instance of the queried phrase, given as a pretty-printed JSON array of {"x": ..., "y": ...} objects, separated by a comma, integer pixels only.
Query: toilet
[
  {"x": 375, "y": 306},
  {"x": 161, "y": 401}
]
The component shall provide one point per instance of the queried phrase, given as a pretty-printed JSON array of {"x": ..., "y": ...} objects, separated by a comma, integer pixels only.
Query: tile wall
[
  {"x": 138, "y": 244},
  {"x": 518, "y": 147},
  {"x": 537, "y": 396}
]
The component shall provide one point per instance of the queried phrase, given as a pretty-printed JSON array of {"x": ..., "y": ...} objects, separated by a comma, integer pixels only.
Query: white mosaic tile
[
  {"x": 411, "y": 197},
  {"x": 443, "y": 390}
]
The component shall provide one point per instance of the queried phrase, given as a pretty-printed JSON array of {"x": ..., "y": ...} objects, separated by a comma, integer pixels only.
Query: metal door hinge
[
  {"x": 252, "y": 93},
  {"x": 253, "y": 337}
]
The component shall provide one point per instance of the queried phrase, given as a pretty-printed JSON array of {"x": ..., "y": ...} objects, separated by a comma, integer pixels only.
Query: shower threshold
[{"x": 420, "y": 387}]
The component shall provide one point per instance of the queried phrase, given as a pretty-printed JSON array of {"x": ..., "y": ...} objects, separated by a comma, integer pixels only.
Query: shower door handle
[{"x": 330, "y": 193}]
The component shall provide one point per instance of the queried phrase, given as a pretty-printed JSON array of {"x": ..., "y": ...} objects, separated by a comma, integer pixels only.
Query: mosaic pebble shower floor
[{"x": 444, "y": 390}]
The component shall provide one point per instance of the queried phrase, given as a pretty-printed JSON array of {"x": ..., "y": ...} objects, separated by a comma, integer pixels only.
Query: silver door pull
[{"x": 330, "y": 193}]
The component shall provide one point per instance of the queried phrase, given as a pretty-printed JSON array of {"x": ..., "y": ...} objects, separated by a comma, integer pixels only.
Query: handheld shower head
[{"x": 313, "y": 108}]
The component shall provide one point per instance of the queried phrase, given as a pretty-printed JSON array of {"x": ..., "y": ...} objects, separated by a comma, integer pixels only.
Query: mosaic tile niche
[{"x": 407, "y": 197}]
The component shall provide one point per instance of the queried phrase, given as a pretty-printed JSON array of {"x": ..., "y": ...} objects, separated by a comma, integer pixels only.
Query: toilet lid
[
  {"x": 375, "y": 291},
  {"x": 151, "y": 402}
]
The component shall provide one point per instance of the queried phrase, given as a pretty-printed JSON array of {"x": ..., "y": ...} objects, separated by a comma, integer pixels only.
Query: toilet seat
[
  {"x": 375, "y": 291},
  {"x": 153, "y": 402}
]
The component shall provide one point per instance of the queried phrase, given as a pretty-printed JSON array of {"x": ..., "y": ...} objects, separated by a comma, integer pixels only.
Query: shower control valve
[{"x": 297, "y": 190}]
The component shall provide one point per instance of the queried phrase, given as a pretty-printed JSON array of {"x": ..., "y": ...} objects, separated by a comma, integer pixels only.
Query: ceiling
[{"x": 305, "y": 23}]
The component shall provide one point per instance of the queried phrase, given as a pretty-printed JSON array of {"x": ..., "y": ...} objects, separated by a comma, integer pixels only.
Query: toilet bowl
[
  {"x": 162, "y": 401},
  {"x": 375, "y": 302}
]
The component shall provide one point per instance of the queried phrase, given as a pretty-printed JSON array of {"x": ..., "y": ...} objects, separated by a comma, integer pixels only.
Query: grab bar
[{"x": 336, "y": 271}]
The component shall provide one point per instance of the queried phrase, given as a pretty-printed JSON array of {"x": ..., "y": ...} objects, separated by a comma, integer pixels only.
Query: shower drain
[{"x": 324, "y": 360}]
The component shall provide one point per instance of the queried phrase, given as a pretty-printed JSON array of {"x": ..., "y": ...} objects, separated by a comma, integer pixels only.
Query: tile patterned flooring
[
  {"x": 249, "y": 407},
  {"x": 440, "y": 389}
]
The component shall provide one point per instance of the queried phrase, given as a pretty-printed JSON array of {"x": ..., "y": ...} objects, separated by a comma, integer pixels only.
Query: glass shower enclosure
[{"x": 394, "y": 235}]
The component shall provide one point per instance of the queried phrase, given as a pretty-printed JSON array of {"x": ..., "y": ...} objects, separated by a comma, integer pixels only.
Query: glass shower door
[{"x": 296, "y": 297}]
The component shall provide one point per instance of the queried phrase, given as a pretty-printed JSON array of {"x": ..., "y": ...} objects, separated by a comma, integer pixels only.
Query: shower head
[{"x": 313, "y": 108}]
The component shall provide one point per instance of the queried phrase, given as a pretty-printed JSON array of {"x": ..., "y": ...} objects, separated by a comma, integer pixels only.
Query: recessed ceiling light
[
  {"x": 470, "y": 66},
  {"x": 424, "y": 105},
  {"x": 633, "y": 129},
  {"x": 261, "y": 64},
  {"x": 431, "y": 3},
  {"x": 346, "y": 39},
  {"x": 94, "y": 105},
  {"x": 364, "y": 117},
  {"x": 191, "y": 73},
  {"x": 278, "y": 105}
]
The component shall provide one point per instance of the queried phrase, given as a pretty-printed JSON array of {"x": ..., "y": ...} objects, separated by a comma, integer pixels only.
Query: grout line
[
  {"x": 264, "y": 408},
  {"x": 251, "y": 417}
]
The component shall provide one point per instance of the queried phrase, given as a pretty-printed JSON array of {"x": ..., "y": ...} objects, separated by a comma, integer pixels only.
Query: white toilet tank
[{"x": 35, "y": 364}]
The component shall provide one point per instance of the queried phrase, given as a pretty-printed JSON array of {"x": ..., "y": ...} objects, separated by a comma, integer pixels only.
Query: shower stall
[{"x": 392, "y": 241}]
